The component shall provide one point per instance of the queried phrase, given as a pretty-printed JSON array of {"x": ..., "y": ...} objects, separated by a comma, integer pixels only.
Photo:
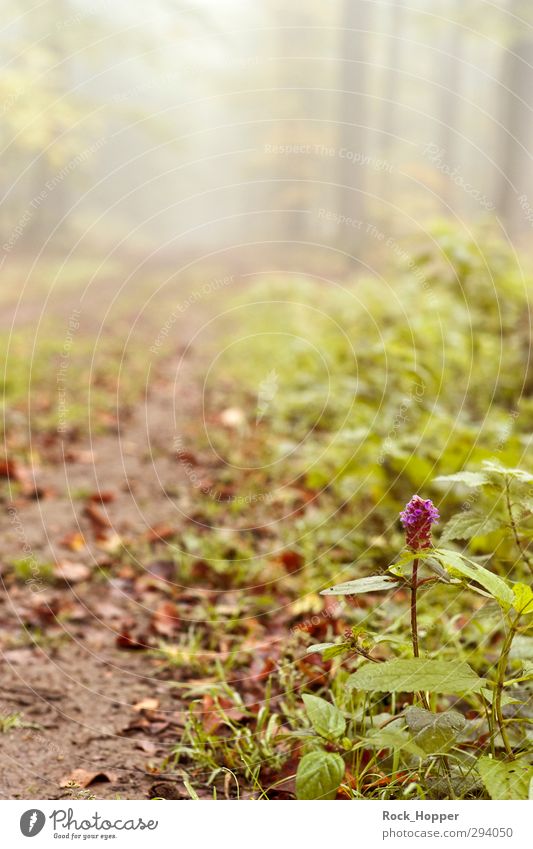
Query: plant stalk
[
  {"x": 414, "y": 616},
  {"x": 520, "y": 546},
  {"x": 414, "y": 620},
  {"x": 497, "y": 714}
]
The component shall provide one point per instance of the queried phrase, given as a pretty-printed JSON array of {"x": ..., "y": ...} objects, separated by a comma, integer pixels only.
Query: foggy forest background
[{"x": 225, "y": 123}]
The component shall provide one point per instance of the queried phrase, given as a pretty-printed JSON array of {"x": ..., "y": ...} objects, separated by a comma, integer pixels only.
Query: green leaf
[
  {"x": 319, "y": 775},
  {"x": 473, "y": 479},
  {"x": 516, "y": 474},
  {"x": 457, "y": 564},
  {"x": 466, "y": 525},
  {"x": 318, "y": 648},
  {"x": 525, "y": 674},
  {"x": 409, "y": 676},
  {"x": 373, "y": 584},
  {"x": 393, "y": 738},
  {"x": 434, "y": 732},
  {"x": 336, "y": 650},
  {"x": 523, "y": 599},
  {"x": 326, "y": 719},
  {"x": 329, "y": 650},
  {"x": 407, "y": 556},
  {"x": 505, "y": 780},
  {"x": 505, "y": 699},
  {"x": 522, "y": 647}
]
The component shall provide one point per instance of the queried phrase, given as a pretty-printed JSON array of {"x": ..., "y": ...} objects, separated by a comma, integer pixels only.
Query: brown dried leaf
[
  {"x": 292, "y": 561},
  {"x": 160, "y": 532},
  {"x": 104, "y": 497},
  {"x": 146, "y": 704},
  {"x": 71, "y": 573},
  {"x": 75, "y": 541},
  {"x": 84, "y": 778},
  {"x": 97, "y": 517},
  {"x": 165, "y": 620}
]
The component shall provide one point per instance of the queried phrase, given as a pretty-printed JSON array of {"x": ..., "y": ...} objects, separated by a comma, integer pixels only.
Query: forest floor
[
  {"x": 109, "y": 649},
  {"x": 85, "y": 694}
]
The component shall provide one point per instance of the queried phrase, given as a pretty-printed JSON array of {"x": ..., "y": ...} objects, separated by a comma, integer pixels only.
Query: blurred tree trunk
[
  {"x": 389, "y": 103},
  {"x": 515, "y": 119},
  {"x": 54, "y": 207},
  {"x": 353, "y": 106},
  {"x": 291, "y": 105},
  {"x": 450, "y": 79}
]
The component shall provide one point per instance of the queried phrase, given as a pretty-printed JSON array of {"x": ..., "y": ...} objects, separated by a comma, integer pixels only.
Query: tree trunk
[
  {"x": 353, "y": 117},
  {"x": 515, "y": 118}
]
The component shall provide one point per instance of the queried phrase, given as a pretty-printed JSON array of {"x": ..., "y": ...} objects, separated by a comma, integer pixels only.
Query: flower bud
[{"x": 417, "y": 518}]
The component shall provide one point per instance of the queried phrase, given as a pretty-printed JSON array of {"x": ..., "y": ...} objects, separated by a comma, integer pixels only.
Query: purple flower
[{"x": 417, "y": 519}]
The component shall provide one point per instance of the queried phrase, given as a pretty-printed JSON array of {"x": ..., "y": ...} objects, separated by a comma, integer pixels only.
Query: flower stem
[
  {"x": 497, "y": 714},
  {"x": 414, "y": 620}
]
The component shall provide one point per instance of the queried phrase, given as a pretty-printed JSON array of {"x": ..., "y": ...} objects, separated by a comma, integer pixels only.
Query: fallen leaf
[
  {"x": 165, "y": 620},
  {"x": 75, "y": 541},
  {"x": 96, "y": 516},
  {"x": 13, "y": 470},
  {"x": 79, "y": 455},
  {"x": 84, "y": 778},
  {"x": 168, "y": 790},
  {"x": 125, "y": 640},
  {"x": 107, "y": 610},
  {"x": 292, "y": 561},
  {"x": 160, "y": 532},
  {"x": 104, "y": 497},
  {"x": 110, "y": 542},
  {"x": 146, "y": 704},
  {"x": 71, "y": 573},
  {"x": 9, "y": 468},
  {"x": 146, "y": 746}
]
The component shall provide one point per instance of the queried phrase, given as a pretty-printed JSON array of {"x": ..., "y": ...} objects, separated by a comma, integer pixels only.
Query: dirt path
[{"x": 77, "y": 683}]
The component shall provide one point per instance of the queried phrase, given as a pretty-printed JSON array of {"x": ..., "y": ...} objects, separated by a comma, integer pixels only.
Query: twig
[{"x": 522, "y": 550}]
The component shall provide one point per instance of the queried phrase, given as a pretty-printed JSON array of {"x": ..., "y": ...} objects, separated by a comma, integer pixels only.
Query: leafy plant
[{"x": 431, "y": 731}]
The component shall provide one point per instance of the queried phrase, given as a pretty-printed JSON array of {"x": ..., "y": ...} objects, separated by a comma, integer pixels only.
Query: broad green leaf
[
  {"x": 409, "y": 676},
  {"x": 466, "y": 525},
  {"x": 523, "y": 599},
  {"x": 473, "y": 479},
  {"x": 457, "y": 564},
  {"x": 319, "y": 775},
  {"x": 505, "y": 780},
  {"x": 393, "y": 738},
  {"x": 522, "y": 647},
  {"x": 439, "y": 570},
  {"x": 373, "y": 584},
  {"x": 434, "y": 732},
  {"x": 517, "y": 474},
  {"x": 506, "y": 700},
  {"x": 326, "y": 719}
]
